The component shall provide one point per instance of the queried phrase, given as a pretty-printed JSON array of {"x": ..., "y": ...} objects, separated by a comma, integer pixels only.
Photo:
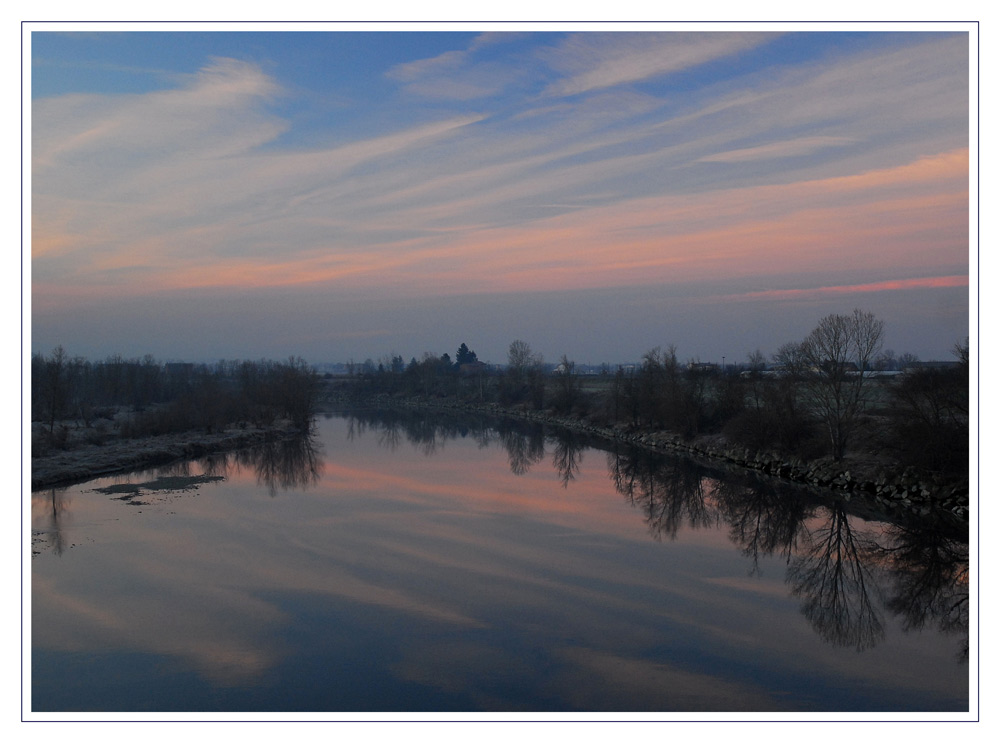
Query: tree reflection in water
[
  {"x": 285, "y": 464},
  {"x": 764, "y": 518},
  {"x": 838, "y": 572},
  {"x": 670, "y": 492},
  {"x": 929, "y": 580},
  {"x": 525, "y": 446},
  {"x": 567, "y": 453},
  {"x": 282, "y": 464},
  {"x": 524, "y": 441},
  {"x": 426, "y": 433},
  {"x": 54, "y": 502},
  {"x": 846, "y": 575},
  {"x": 834, "y": 577}
]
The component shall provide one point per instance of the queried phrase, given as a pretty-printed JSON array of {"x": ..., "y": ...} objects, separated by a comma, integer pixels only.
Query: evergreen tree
[{"x": 465, "y": 356}]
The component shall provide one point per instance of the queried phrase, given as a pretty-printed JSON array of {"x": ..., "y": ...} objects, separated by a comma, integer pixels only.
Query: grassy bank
[
  {"x": 81, "y": 460},
  {"x": 95, "y": 418}
]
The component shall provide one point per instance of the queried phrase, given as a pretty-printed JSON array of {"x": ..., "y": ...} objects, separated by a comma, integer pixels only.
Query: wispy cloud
[
  {"x": 860, "y": 161},
  {"x": 217, "y": 112},
  {"x": 933, "y": 282},
  {"x": 814, "y": 226},
  {"x": 904, "y": 102},
  {"x": 602, "y": 60},
  {"x": 579, "y": 63},
  {"x": 788, "y": 148},
  {"x": 459, "y": 74}
]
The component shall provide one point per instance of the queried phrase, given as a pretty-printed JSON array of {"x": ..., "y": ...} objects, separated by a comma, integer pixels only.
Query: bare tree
[
  {"x": 524, "y": 375},
  {"x": 839, "y": 354},
  {"x": 54, "y": 386},
  {"x": 567, "y": 392},
  {"x": 930, "y": 418},
  {"x": 520, "y": 357},
  {"x": 961, "y": 352}
]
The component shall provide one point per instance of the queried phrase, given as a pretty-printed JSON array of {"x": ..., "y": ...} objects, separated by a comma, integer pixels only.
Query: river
[{"x": 410, "y": 562}]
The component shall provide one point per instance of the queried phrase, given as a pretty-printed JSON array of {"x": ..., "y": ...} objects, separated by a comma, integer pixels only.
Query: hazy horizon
[{"x": 351, "y": 195}]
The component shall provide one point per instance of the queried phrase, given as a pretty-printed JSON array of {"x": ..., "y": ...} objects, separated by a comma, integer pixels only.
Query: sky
[{"x": 343, "y": 195}]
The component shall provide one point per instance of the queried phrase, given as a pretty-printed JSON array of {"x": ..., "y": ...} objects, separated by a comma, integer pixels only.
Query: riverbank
[
  {"x": 850, "y": 479},
  {"x": 88, "y": 461}
]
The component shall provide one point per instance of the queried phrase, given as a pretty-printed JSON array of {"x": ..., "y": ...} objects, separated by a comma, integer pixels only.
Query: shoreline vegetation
[
  {"x": 91, "y": 419},
  {"x": 904, "y": 492},
  {"x": 90, "y": 461},
  {"x": 831, "y": 412}
]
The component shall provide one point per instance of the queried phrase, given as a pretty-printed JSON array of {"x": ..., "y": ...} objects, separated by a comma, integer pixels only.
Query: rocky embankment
[
  {"x": 121, "y": 455},
  {"x": 904, "y": 492}
]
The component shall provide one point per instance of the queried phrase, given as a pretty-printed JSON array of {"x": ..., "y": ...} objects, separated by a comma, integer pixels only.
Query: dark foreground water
[{"x": 413, "y": 563}]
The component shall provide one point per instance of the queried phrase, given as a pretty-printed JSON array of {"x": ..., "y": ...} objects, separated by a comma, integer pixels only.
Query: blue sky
[{"x": 344, "y": 195}]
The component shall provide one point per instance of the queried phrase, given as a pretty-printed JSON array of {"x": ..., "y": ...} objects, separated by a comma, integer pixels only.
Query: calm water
[{"x": 402, "y": 563}]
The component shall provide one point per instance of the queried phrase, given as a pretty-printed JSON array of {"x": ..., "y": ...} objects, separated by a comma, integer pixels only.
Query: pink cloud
[
  {"x": 915, "y": 215},
  {"x": 933, "y": 282}
]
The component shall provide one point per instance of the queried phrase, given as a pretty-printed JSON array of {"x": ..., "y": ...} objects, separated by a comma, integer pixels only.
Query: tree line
[
  {"x": 164, "y": 397},
  {"x": 822, "y": 396},
  {"x": 817, "y": 397}
]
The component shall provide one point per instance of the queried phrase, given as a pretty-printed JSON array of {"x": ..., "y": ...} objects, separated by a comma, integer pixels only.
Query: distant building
[
  {"x": 915, "y": 366},
  {"x": 475, "y": 367}
]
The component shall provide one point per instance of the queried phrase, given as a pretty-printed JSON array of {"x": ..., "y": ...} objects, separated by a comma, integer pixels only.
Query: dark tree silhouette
[
  {"x": 465, "y": 356},
  {"x": 567, "y": 387},
  {"x": 838, "y": 356},
  {"x": 930, "y": 414}
]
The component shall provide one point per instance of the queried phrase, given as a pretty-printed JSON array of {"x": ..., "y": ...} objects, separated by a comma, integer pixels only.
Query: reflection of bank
[
  {"x": 428, "y": 430},
  {"x": 282, "y": 464},
  {"x": 847, "y": 577},
  {"x": 764, "y": 517},
  {"x": 834, "y": 576},
  {"x": 524, "y": 449},
  {"x": 930, "y": 581},
  {"x": 155, "y": 594},
  {"x": 451, "y": 567},
  {"x": 845, "y": 574},
  {"x": 48, "y": 508},
  {"x": 669, "y": 490},
  {"x": 567, "y": 454}
]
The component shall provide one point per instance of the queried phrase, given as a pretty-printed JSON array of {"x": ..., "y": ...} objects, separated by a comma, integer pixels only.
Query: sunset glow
[{"x": 346, "y": 194}]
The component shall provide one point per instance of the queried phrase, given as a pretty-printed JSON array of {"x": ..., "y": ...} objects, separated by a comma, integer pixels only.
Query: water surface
[{"x": 407, "y": 562}]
